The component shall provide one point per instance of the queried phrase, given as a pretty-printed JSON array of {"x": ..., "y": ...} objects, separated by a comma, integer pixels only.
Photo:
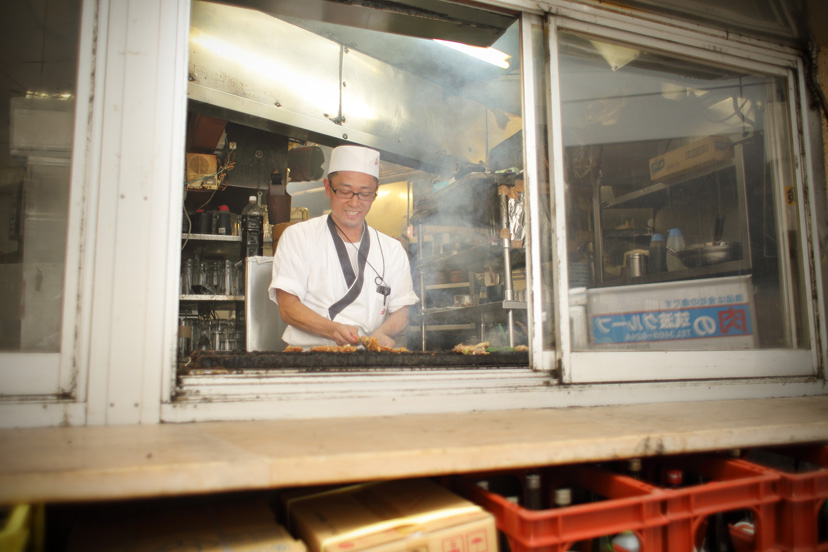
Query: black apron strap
[{"x": 354, "y": 282}]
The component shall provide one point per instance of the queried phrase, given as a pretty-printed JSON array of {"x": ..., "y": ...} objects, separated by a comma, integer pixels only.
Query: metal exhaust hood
[
  {"x": 420, "y": 103},
  {"x": 416, "y": 18}
]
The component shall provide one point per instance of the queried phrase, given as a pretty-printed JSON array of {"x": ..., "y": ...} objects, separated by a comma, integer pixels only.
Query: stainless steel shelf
[
  {"x": 464, "y": 313},
  {"x": 474, "y": 256},
  {"x": 721, "y": 269},
  {"x": 210, "y": 237},
  {"x": 475, "y": 201},
  {"x": 656, "y": 196},
  {"x": 445, "y": 327},
  {"x": 454, "y": 285},
  {"x": 652, "y": 195},
  {"x": 207, "y": 298},
  {"x": 218, "y": 238}
]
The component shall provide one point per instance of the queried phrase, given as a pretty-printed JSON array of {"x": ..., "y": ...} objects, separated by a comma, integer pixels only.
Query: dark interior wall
[{"x": 258, "y": 154}]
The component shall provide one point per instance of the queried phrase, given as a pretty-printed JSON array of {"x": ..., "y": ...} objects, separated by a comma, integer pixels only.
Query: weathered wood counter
[{"x": 101, "y": 463}]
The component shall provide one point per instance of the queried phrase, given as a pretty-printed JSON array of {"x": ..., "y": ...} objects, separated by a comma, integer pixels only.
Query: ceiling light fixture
[
  {"x": 616, "y": 56},
  {"x": 49, "y": 95},
  {"x": 489, "y": 55}
]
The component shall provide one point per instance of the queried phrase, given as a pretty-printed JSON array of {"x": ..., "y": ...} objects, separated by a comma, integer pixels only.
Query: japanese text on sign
[{"x": 685, "y": 321}]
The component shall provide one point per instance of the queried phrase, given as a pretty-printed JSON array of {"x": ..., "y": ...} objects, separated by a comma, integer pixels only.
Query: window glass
[
  {"x": 38, "y": 58},
  {"x": 682, "y": 220},
  {"x": 270, "y": 96}
]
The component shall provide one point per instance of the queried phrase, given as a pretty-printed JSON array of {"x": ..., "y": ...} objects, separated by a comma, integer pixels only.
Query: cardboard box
[
  {"x": 220, "y": 524},
  {"x": 695, "y": 155},
  {"x": 393, "y": 516}
]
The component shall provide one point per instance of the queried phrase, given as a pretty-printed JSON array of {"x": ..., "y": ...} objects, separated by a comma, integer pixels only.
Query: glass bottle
[
  {"x": 267, "y": 228},
  {"x": 822, "y": 522},
  {"x": 532, "y": 493},
  {"x": 717, "y": 536},
  {"x": 185, "y": 339},
  {"x": 634, "y": 468},
  {"x": 563, "y": 497},
  {"x": 187, "y": 278},
  {"x": 228, "y": 284},
  {"x": 203, "y": 330}
]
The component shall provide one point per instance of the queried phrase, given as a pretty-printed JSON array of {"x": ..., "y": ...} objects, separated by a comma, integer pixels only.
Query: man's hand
[
  {"x": 384, "y": 340},
  {"x": 395, "y": 324},
  {"x": 344, "y": 334},
  {"x": 296, "y": 314}
]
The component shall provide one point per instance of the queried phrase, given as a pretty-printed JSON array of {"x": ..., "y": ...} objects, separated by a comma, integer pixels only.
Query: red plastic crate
[
  {"x": 730, "y": 484},
  {"x": 629, "y": 505},
  {"x": 802, "y": 495}
]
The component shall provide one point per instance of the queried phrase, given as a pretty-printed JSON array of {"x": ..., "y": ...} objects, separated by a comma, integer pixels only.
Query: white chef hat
[{"x": 356, "y": 159}]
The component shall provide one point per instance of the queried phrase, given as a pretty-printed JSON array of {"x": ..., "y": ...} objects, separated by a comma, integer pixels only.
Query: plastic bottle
[
  {"x": 203, "y": 222},
  {"x": 674, "y": 479},
  {"x": 223, "y": 221},
  {"x": 657, "y": 256},
  {"x": 675, "y": 243},
  {"x": 252, "y": 222}
]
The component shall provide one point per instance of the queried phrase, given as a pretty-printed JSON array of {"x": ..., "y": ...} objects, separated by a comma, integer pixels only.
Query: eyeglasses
[{"x": 347, "y": 194}]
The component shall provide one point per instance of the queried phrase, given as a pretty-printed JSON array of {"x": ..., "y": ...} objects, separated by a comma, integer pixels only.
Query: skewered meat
[
  {"x": 334, "y": 348},
  {"x": 372, "y": 344},
  {"x": 479, "y": 349}
]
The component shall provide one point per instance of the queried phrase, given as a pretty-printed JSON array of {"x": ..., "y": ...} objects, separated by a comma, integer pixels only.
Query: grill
[{"x": 361, "y": 359}]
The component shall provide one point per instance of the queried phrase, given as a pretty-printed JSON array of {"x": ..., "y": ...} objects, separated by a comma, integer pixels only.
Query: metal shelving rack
[
  {"x": 477, "y": 189},
  {"x": 656, "y": 196}
]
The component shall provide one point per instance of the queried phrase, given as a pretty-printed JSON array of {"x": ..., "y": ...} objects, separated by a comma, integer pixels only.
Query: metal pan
[{"x": 703, "y": 254}]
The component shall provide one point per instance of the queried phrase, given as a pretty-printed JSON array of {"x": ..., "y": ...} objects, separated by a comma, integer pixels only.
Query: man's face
[{"x": 350, "y": 213}]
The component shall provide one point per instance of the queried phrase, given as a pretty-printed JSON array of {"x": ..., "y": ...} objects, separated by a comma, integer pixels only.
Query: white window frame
[
  {"x": 263, "y": 395},
  {"x": 28, "y": 376},
  {"x": 120, "y": 296},
  {"x": 618, "y": 366},
  {"x": 123, "y": 257}
]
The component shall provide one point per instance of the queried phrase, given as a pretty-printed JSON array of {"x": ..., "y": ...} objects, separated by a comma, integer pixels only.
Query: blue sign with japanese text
[{"x": 693, "y": 322}]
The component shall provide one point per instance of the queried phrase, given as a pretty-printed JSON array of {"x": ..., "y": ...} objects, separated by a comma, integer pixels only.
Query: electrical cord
[
  {"x": 228, "y": 166},
  {"x": 189, "y": 227},
  {"x": 223, "y": 170}
]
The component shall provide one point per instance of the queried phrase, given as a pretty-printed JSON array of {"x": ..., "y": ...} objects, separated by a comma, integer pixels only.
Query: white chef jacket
[{"x": 306, "y": 265}]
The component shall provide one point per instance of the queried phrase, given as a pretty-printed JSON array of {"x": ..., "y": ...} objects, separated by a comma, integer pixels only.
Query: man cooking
[{"x": 334, "y": 277}]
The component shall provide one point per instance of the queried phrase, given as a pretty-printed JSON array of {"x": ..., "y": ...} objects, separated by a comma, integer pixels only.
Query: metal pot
[
  {"x": 703, "y": 254},
  {"x": 636, "y": 263}
]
